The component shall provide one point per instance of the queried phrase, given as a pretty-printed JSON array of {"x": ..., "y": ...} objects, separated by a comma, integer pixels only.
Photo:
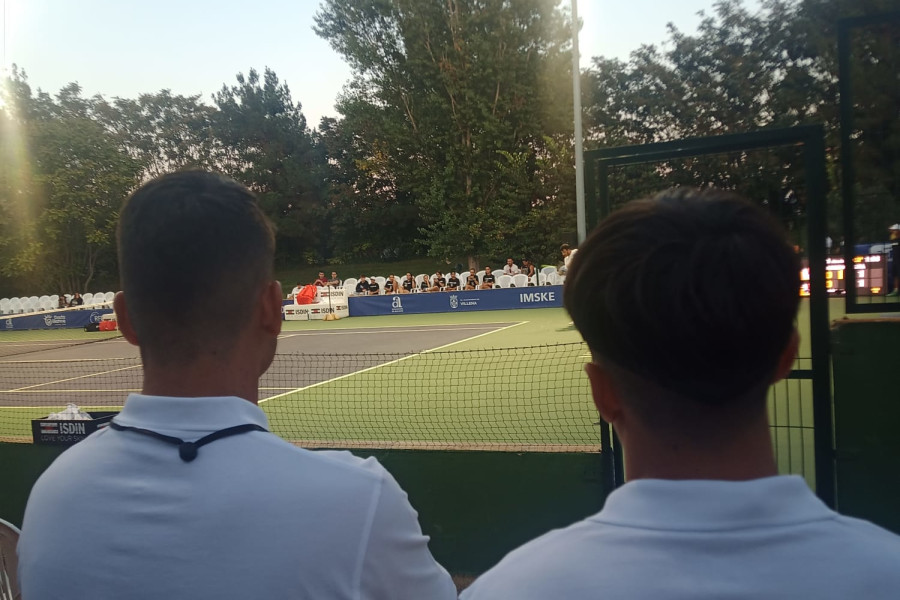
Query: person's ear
[
  {"x": 606, "y": 397},
  {"x": 123, "y": 319},
  {"x": 270, "y": 308},
  {"x": 786, "y": 360}
]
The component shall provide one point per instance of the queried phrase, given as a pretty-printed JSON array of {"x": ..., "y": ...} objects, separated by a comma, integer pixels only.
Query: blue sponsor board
[
  {"x": 63, "y": 319},
  {"x": 548, "y": 296}
]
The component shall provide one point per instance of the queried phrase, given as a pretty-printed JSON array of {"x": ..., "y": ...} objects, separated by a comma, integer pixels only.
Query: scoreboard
[{"x": 871, "y": 272}]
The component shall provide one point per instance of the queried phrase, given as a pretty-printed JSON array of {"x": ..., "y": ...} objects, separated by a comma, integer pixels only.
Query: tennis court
[{"x": 509, "y": 379}]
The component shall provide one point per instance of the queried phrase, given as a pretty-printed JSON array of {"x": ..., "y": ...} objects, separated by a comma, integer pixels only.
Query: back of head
[
  {"x": 195, "y": 251},
  {"x": 689, "y": 295}
]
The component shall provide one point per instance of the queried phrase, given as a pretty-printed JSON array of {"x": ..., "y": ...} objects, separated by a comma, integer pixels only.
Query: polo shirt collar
[
  {"x": 712, "y": 505},
  {"x": 169, "y": 414}
]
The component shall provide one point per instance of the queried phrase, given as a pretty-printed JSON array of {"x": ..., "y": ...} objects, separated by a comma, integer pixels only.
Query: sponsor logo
[
  {"x": 51, "y": 320},
  {"x": 95, "y": 317},
  {"x": 396, "y": 305},
  {"x": 49, "y": 428},
  {"x": 72, "y": 428},
  {"x": 538, "y": 297},
  {"x": 454, "y": 301},
  {"x": 9, "y": 324}
]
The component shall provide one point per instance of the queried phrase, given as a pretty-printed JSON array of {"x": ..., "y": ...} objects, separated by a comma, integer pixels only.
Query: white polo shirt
[
  {"x": 766, "y": 538},
  {"x": 120, "y": 515}
]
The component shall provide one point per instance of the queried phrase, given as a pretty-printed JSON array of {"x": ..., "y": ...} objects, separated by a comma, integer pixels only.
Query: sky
[{"x": 127, "y": 47}]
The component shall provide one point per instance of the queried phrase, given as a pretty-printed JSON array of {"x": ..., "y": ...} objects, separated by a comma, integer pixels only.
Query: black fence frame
[
  {"x": 811, "y": 139},
  {"x": 845, "y": 28}
]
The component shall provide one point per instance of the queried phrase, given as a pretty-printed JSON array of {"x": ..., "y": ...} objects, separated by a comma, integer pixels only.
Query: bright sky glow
[{"x": 128, "y": 47}]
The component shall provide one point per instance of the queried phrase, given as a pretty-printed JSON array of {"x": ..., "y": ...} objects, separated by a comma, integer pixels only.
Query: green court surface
[{"x": 508, "y": 380}]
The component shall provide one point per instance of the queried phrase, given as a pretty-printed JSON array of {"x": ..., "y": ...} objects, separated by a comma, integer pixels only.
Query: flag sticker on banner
[{"x": 50, "y": 428}]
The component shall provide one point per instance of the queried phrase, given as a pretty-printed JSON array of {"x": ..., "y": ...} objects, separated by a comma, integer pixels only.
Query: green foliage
[
  {"x": 266, "y": 145},
  {"x": 447, "y": 89},
  {"x": 746, "y": 71}
]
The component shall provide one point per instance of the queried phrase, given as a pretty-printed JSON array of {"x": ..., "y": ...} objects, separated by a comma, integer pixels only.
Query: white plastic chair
[
  {"x": 504, "y": 281},
  {"x": 480, "y": 275},
  {"x": 9, "y": 562},
  {"x": 520, "y": 280},
  {"x": 110, "y": 296},
  {"x": 548, "y": 270},
  {"x": 88, "y": 298}
]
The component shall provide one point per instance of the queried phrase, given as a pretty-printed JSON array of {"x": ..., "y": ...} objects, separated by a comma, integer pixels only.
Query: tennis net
[{"x": 521, "y": 399}]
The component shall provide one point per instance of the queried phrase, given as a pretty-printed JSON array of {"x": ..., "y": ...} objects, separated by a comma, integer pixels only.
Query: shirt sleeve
[{"x": 397, "y": 562}]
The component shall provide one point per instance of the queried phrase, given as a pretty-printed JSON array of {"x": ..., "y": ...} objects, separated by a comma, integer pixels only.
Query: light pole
[{"x": 579, "y": 148}]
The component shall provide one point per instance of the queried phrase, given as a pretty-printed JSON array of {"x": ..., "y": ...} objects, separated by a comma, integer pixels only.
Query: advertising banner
[
  {"x": 62, "y": 319},
  {"x": 547, "y": 296}
]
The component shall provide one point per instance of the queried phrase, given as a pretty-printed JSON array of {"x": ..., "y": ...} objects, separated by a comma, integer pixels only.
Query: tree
[
  {"x": 266, "y": 145},
  {"x": 450, "y": 90},
  {"x": 64, "y": 192},
  {"x": 744, "y": 72}
]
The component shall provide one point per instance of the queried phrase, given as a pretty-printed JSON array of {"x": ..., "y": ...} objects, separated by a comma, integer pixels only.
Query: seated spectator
[
  {"x": 335, "y": 281},
  {"x": 295, "y": 291},
  {"x": 487, "y": 282},
  {"x": 76, "y": 300},
  {"x": 374, "y": 286},
  {"x": 425, "y": 286},
  {"x": 362, "y": 286},
  {"x": 408, "y": 284},
  {"x": 321, "y": 280},
  {"x": 452, "y": 282},
  {"x": 472, "y": 282},
  {"x": 529, "y": 271},
  {"x": 391, "y": 285},
  {"x": 439, "y": 282},
  {"x": 704, "y": 512},
  {"x": 510, "y": 268},
  {"x": 61, "y": 302}
]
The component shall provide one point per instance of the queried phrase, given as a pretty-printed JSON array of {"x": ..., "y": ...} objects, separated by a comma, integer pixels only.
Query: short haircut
[
  {"x": 194, "y": 252},
  {"x": 691, "y": 293},
  {"x": 564, "y": 247}
]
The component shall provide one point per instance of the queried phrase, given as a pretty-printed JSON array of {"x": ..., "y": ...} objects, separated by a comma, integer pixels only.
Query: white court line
[
  {"x": 391, "y": 362},
  {"x": 66, "y": 360},
  {"x": 374, "y": 330},
  {"x": 28, "y": 387}
]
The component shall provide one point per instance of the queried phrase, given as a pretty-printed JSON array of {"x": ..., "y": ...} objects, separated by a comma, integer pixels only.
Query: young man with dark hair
[
  {"x": 682, "y": 359},
  {"x": 453, "y": 282},
  {"x": 488, "y": 279},
  {"x": 472, "y": 282},
  {"x": 362, "y": 285},
  {"x": 186, "y": 494}
]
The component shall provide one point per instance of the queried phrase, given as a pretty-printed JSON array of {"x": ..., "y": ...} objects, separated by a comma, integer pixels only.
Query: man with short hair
[
  {"x": 510, "y": 268},
  {"x": 295, "y": 291},
  {"x": 682, "y": 359},
  {"x": 453, "y": 282},
  {"x": 568, "y": 254},
  {"x": 488, "y": 279},
  {"x": 374, "y": 286},
  {"x": 186, "y": 494},
  {"x": 472, "y": 282},
  {"x": 335, "y": 281},
  {"x": 321, "y": 280},
  {"x": 362, "y": 286}
]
